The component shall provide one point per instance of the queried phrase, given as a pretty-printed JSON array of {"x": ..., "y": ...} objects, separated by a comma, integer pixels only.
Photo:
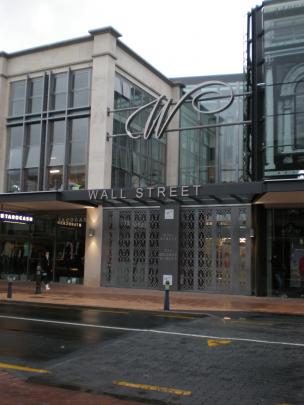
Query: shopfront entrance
[
  {"x": 61, "y": 236},
  {"x": 285, "y": 249},
  {"x": 214, "y": 249}
]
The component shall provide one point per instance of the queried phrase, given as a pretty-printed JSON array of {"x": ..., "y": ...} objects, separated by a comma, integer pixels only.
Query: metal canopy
[
  {"x": 210, "y": 194},
  {"x": 40, "y": 201}
]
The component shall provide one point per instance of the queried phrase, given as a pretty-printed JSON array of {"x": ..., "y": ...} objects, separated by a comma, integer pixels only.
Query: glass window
[
  {"x": 32, "y": 146},
  {"x": 57, "y": 143},
  {"x": 59, "y": 90},
  {"x": 35, "y": 95},
  {"x": 299, "y": 116},
  {"x": 17, "y": 98},
  {"x": 283, "y": 111},
  {"x": 15, "y": 147},
  {"x": 76, "y": 177},
  {"x": 78, "y": 141},
  {"x": 210, "y": 155},
  {"x": 55, "y": 178},
  {"x": 31, "y": 179},
  {"x": 80, "y": 88},
  {"x": 13, "y": 181},
  {"x": 34, "y": 159},
  {"x": 133, "y": 159}
]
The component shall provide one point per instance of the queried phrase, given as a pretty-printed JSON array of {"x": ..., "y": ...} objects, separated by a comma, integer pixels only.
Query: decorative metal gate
[
  {"x": 131, "y": 246},
  {"x": 214, "y": 249}
]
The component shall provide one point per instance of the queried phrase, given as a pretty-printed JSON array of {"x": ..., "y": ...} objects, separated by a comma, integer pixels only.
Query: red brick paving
[
  {"x": 123, "y": 298},
  {"x": 14, "y": 391}
]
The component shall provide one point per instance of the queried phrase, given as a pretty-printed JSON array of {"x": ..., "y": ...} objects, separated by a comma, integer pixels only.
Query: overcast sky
[{"x": 178, "y": 37}]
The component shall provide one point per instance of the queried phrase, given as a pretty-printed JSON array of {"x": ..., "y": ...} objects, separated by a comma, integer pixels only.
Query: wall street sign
[{"x": 163, "y": 109}]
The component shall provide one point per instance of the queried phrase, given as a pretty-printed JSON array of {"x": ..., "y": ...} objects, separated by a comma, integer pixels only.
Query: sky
[{"x": 177, "y": 37}]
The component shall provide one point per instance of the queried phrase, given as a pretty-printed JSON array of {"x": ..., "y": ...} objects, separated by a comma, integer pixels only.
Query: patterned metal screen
[
  {"x": 131, "y": 246},
  {"x": 214, "y": 248},
  {"x": 214, "y": 252}
]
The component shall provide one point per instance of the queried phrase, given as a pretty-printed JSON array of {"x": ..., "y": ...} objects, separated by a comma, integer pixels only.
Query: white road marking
[{"x": 156, "y": 331}]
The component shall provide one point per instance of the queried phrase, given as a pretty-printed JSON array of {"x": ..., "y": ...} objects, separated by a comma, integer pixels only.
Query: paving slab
[{"x": 148, "y": 300}]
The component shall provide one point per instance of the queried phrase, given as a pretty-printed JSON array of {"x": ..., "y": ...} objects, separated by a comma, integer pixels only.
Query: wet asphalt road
[
  {"x": 162, "y": 358},
  {"x": 26, "y": 339}
]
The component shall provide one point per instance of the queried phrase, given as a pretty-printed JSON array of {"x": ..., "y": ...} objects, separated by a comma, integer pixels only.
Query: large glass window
[
  {"x": 35, "y": 95},
  {"x": 299, "y": 115},
  {"x": 78, "y": 141},
  {"x": 57, "y": 143},
  {"x": 32, "y": 145},
  {"x": 80, "y": 88},
  {"x": 49, "y": 151},
  {"x": 283, "y": 71},
  {"x": 76, "y": 177},
  {"x": 31, "y": 179},
  {"x": 17, "y": 98},
  {"x": 55, "y": 178},
  {"x": 13, "y": 181},
  {"x": 15, "y": 147},
  {"x": 77, "y": 152},
  {"x": 135, "y": 162},
  {"x": 214, "y": 154},
  {"x": 59, "y": 91}
]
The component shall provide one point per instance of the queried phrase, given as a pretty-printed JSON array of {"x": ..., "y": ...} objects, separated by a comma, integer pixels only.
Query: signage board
[
  {"x": 169, "y": 213},
  {"x": 16, "y": 217},
  {"x": 167, "y": 278}
]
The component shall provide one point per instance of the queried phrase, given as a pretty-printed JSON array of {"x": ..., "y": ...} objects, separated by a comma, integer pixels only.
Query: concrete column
[
  {"x": 103, "y": 79},
  {"x": 3, "y": 115},
  {"x": 100, "y": 148},
  {"x": 93, "y": 247}
]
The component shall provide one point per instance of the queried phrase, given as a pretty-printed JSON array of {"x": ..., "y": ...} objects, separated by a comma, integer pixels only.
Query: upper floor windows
[
  {"x": 299, "y": 115},
  {"x": 59, "y": 91},
  {"x": 15, "y": 141},
  {"x": 35, "y": 95},
  {"x": 52, "y": 92},
  {"x": 48, "y": 130},
  {"x": 17, "y": 98},
  {"x": 80, "y": 88},
  {"x": 135, "y": 162}
]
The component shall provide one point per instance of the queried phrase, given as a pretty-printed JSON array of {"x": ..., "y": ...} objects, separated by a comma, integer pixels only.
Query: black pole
[
  {"x": 9, "y": 289},
  {"x": 167, "y": 298}
]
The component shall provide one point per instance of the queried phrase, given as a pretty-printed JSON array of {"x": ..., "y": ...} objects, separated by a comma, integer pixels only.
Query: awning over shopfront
[
  {"x": 282, "y": 193},
  {"x": 40, "y": 201},
  {"x": 207, "y": 194},
  {"x": 210, "y": 194},
  {"x": 269, "y": 193}
]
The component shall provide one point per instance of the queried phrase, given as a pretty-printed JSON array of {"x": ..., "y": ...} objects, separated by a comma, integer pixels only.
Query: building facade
[{"x": 127, "y": 178}]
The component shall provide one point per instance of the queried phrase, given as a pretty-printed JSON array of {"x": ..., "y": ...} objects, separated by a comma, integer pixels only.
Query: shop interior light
[{"x": 54, "y": 171}]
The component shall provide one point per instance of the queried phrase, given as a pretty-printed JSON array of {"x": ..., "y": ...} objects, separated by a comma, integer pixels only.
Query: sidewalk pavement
[{"x": 147, "y": 300}]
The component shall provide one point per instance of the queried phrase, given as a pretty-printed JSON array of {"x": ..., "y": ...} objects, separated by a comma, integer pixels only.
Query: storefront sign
[
  {"x": 162, "y": 112},
  {"x": 70, "y": 222},
  {"x": 15, "y": 217},
  {"x": 160, "y": 192}
]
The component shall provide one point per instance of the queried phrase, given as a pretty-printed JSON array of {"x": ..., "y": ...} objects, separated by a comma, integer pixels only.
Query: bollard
[
  {"x": 9, "y": 288},
  {"x": 38, "y": 280},
  {"x": 167, "y": 298}
]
